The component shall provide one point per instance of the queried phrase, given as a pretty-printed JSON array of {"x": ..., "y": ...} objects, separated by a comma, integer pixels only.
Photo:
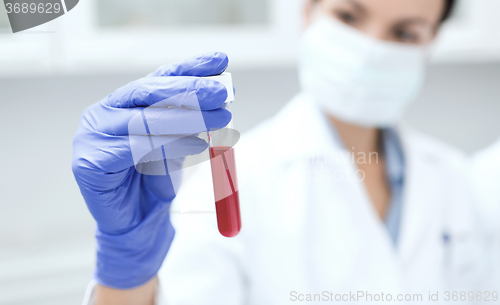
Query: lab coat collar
[
  {"x": 304, "y": 131},
  {"x": 423, "y": 183}
]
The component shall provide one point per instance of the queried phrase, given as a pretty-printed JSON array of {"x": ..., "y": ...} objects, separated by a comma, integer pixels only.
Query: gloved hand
[{"x": 139, "y": 126}]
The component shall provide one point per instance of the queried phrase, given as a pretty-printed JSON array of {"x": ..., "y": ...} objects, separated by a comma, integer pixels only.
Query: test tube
[{"x": 227, "y": 202}]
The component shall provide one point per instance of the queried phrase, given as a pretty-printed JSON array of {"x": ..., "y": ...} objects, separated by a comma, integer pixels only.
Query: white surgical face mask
[{"x": 358, "y": 78}]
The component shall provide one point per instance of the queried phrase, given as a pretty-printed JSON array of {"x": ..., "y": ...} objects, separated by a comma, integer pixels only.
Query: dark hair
[
  {"x": 449, "y": 5},
  {"x": 448, "y": 9}
]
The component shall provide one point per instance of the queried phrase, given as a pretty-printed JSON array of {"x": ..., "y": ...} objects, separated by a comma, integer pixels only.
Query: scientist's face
[{"x": 403, "y": 21}]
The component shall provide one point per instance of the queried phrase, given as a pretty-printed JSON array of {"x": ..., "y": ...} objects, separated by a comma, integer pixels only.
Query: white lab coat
[
  {"x": 309, "y": 228},
  {"x": 485, "y": 174},
  {"x": 308, "y": 225}
]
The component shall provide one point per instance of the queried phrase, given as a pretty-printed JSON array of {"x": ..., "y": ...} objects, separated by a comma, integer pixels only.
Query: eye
[
  {"x": 406, "y": 36},
  {"x": 347, "y": 17}
]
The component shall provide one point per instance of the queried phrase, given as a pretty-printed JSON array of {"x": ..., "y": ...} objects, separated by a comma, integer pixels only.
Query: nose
[{"x": 377, "y": 31}]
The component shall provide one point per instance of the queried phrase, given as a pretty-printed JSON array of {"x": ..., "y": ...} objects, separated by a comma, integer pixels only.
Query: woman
[{"x": 338, "y": 201}]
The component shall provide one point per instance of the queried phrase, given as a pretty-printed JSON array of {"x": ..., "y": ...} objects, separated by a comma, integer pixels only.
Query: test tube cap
[{"x": 227, "y": 81}]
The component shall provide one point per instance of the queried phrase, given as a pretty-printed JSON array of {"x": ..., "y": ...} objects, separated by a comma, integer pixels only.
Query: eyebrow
[{"x": 413, "y": 20}]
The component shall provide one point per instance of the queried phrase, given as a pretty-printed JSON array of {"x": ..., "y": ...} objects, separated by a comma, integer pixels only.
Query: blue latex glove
[{"x": 131, "y": 208}]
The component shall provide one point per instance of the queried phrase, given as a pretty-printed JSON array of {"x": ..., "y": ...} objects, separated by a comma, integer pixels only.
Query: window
[{"x": 119, "y": 13}]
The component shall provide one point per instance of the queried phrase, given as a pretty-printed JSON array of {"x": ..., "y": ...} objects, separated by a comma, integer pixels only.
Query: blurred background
[{"x": 50, "y": 74}]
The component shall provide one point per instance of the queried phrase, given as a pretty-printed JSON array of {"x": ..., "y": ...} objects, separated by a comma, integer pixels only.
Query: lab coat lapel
[
  {"x": 421, "y": 198},
  {"x": 338, "y": 214},
  {"x": 347, "y": 237}
]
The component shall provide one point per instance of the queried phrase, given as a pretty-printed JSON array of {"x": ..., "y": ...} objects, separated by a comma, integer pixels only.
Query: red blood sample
[{"x": 227, "y": 201}]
